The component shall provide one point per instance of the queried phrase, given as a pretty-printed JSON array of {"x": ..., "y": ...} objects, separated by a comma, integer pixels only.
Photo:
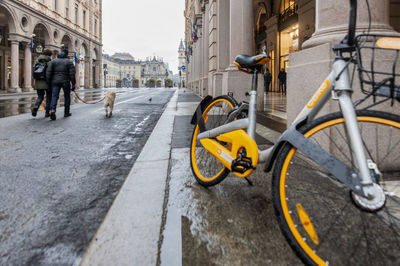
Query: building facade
[
  {"x": 218, "y": 30},
  {"x": 28, "y": 26},
  {"x": 155, "y": 68},
  {"x": 111, "y": 71},
  {"x": 123, "y": 66}
]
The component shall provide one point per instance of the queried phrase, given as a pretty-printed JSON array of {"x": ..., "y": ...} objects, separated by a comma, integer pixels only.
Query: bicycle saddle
[{"x": 245, "y": 61}]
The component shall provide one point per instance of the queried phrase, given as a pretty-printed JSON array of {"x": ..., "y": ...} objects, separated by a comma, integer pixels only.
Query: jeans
[
  {"x": 56, "y": 93},
  {"x": 267, "y": 87},
  {"x": 283, "y": 86},
  {"x": 40, "y": 98}
]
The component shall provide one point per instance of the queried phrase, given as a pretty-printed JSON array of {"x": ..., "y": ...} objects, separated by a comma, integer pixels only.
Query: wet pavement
[
  {"x": 60, "y": 177},
  {"x": 231, "y": 223},
  {"x": 15, "y": 104}
]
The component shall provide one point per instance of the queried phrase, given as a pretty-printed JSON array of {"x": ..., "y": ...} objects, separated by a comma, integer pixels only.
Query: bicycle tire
[
  {"x": 306, "y": 197},
  {"x": 207, "y": 170}
]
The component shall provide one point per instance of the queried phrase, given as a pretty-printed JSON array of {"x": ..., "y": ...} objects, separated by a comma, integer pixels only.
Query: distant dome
[{"x": 123, "y": 56}]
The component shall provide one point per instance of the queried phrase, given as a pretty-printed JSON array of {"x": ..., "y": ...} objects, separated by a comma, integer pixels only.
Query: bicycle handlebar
[{"x": 352, "y": 22}]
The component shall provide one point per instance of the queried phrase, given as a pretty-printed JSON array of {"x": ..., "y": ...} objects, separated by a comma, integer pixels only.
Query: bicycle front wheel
[
  {"x": 316, "y": 212},
  {"x": 207, "y": 170}
]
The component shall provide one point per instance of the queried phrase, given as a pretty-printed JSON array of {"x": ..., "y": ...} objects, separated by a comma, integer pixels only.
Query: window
[
  {"x": 66, "y": 8},
  {"x": 55, "y": 5},
  {"x": 76, "y": 14},
  {"x": 95, "y": 27},
  {"x": 84, "y": 19}
]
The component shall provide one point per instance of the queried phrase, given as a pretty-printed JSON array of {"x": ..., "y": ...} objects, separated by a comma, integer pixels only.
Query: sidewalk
[{"x": 135, "y": 230}]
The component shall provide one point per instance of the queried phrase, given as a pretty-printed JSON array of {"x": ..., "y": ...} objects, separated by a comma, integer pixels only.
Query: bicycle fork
[{"x": 375, "y": 196}]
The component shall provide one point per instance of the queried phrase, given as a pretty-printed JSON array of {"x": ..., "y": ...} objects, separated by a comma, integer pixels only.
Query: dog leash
[{"x": 79, "y": 98}]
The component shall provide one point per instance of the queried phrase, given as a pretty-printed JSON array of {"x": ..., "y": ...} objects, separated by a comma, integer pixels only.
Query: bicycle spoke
[{"x": 347, "y": 234}]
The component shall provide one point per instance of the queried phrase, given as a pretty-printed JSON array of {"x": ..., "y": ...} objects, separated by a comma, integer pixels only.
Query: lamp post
[
  {"x": 36, "y": 42},
  {"x": 105, "y": 75}
]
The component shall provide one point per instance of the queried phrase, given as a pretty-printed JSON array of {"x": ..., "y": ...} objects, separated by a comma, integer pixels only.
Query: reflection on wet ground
[{"x": 15, "y": 105}]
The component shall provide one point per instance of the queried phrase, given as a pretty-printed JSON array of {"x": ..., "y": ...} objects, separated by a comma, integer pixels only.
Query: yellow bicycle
[{"x": 336, "y": 181}]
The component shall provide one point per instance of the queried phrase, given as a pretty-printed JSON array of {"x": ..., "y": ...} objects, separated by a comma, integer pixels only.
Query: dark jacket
[
  {"x": 282, "y": 76},
  {"x": 42, "y": 84},
  {"x": 267, "y": 77},
  {"x": 61, "y": 71}
]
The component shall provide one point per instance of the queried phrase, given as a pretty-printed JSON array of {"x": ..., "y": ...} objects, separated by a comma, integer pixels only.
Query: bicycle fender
[
  {"x": 200, "y": 109},
  {"x": 328, "y": 161}
]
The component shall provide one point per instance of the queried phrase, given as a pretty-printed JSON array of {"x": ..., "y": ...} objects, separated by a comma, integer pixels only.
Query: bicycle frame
[{"x": 337, "y": 84}]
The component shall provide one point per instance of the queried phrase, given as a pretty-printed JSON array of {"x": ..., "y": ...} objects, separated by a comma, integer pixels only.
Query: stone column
[
  {"x": 87, "y": 72},
  {"x": 222, "y": 47},
  {"x": 332, "y": 18},
  {"x": 241, "y": 42},
  {"x": 27, "y": 69},
  {"x": 205, "y": 59},
  {"x": 241, "y": 29},
  {"x": 14, "y": 67},
  {"x": 5, "y": 81},
  {"x": 77, "y": 75},
  {"x": 309, "y": 67},
  {"x": 91, "y": 73},
  {"x": 97, "y": 74},
  {"x": 199, "y": 60}
]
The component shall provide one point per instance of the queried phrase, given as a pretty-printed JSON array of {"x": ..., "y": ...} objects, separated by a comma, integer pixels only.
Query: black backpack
[{"x": 39, "y": 70}]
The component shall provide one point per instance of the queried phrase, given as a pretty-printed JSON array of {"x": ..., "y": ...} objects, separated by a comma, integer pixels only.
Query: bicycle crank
[{"x": 235, "y": 150}]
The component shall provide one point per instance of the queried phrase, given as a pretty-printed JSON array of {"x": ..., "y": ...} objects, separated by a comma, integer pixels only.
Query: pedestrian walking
[
  {"x": 282, "y": 80},
  {"x": 41, "y": 86},
  {"x": 61, "y": 74},
  {"x": 267, "y": 80}
]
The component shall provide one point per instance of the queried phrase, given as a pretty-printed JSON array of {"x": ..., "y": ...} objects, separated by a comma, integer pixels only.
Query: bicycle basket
[{"x": 378, "y": 65}]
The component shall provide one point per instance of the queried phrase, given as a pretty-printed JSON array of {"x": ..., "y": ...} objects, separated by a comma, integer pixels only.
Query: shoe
[
  {"x": 47, "y": 114},
  {"x": 53, "y": 115},
  {"x": 34, "y": 111},
  {"x": 67, "y": 114}
]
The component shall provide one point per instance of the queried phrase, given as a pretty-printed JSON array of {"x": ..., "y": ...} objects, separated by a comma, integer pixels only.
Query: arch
[
  {"x": 95, "y": 54},
  {"x": 42, "y": 33},
  {"x": 261, "y": 17},
  {"x": 66, "y": 40},
  {"x": 83, "y": 50},
  {"x": 7, "y": 16}
]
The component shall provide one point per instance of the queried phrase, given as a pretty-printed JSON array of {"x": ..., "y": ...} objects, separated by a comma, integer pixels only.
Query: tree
[
  {"x": 169, "y": 83},
  {"x": 135, "y": 83},
  {"x": 151, "y": 83},
  {"x": 119, "y": 83}
]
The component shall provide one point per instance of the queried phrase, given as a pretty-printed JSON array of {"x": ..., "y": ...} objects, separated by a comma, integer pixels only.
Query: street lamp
[{"x": 39, "y": 47}]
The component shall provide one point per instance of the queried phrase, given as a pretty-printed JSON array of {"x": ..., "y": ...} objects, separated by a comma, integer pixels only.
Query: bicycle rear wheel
[
  {"x": 207, "y": 170},
  {"x": 316, "y": 212}
]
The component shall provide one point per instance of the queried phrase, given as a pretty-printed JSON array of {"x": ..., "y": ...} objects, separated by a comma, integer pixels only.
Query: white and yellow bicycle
[{"x": 336, "y": 181}]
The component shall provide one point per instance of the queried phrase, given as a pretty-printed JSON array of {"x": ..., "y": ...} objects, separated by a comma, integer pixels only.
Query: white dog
[{"x": 109, "y": 102}]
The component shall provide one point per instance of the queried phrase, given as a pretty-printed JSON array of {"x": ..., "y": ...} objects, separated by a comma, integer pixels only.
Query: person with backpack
[
  {"x": 41, "y": 86},
  {"x": 61, "y": 74}
]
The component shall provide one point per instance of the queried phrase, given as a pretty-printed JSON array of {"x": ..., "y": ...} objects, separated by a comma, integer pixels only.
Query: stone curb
[{"x": 129, "y": 234}]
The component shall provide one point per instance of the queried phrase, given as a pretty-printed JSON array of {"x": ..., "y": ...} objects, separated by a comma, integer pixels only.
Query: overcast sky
[{"x": 144, "y": 28}]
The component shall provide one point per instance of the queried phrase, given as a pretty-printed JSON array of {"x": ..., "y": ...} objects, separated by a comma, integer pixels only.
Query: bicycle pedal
[{"x": 242, "y": 164}]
